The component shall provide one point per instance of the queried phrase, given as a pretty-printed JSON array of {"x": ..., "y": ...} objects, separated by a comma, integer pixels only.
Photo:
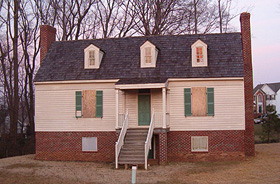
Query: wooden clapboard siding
[
  {"x": 156, "y": 103},
  {"x": 199, "y": 104},
  {"x": 55, "y": 108},
  {"x": 131, "y": 97},
  {"x": 229, "y": 110},
  {"x": 89, "y": 104}
]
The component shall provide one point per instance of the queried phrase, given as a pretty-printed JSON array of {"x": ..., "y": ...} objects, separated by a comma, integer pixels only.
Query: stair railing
[
  {"x": 120, "y": 141},
  {"x": 148, "y": 142}
]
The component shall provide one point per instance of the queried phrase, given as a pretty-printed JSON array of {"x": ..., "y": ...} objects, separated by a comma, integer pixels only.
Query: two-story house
[{"x": 124, "y": 100}]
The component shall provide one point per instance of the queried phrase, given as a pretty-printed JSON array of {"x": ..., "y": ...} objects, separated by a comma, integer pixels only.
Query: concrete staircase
[{"x": 133, "y": 150}]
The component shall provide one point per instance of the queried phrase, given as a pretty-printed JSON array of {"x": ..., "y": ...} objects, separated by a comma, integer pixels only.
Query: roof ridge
[{"x": 146, "y": 36}]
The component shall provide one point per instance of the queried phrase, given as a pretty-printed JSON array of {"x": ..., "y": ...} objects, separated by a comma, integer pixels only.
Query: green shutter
[
  {"x": 78, "y": 104},
  {"x": 99, "y": 104},
  {"x": 210, "y": 101},
  {"x": 188, "y": 101}
]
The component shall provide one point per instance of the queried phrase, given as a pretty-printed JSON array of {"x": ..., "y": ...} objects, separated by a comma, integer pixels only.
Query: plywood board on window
[
  {"x": 199, "y": 102},
  {"x": 89, "y": 103}
]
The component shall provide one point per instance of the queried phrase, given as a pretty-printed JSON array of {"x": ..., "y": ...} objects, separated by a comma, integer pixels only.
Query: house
[
  {"x": 124, "y": 100},
  {"x": 266, "y": 94}
]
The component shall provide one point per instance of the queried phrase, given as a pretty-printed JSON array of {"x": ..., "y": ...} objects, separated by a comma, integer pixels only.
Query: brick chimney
[
  {"x": 248, "y": 84},
  {"x": 47, "y": 36}
]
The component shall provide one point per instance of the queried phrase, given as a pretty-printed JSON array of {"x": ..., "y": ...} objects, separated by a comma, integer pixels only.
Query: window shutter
[
  {"x": 99, "y": 104},
  {"x": 187, "y": 101},
  {"x": 78, "y": 112},
  {"x": 210, "y": 101}
]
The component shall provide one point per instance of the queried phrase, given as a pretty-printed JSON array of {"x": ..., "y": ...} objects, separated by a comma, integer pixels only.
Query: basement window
[
  {"x": 199, "y": 143},
  {"x": 89, "y": 144}
]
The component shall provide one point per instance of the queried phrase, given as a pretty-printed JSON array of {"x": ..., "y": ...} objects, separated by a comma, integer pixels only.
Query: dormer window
[
  {"x": 199, "y": 54},
  {"x": 93, "y": 57},
  {"x": 148, "y": 56}
]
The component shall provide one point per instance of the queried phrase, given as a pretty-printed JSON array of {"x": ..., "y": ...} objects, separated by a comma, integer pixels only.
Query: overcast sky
[{"x": 265, "y": 30}]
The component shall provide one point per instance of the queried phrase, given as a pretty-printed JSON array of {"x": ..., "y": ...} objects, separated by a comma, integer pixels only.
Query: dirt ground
[{"x": 264, "y": 168}]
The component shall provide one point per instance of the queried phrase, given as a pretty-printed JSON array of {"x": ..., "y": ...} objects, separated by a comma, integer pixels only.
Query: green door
[{"x": 144, "y": 110}]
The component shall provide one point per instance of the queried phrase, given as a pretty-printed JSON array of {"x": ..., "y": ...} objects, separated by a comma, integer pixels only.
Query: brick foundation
[
  {"x": 68, "y": 146},
  {"x": 222, "y": 146}
]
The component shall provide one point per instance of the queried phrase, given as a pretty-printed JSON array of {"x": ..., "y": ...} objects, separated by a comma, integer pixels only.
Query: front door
[{"x": 144, "y": 110}]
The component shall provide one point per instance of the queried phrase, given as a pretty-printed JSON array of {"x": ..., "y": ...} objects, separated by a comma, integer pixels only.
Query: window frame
[
  {"x": 199, "y": 150},
  {"x": 98, "y": 55},
  {"x": 153, "y": 56},
  {"x": 89, "y": 150},
  {"x": 194, "y": 47}
]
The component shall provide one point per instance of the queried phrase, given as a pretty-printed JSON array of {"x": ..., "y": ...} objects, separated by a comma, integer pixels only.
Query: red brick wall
[
  {"x": 163, "y": 148},
  {"x": 68, "y": 146},
  {"x": 222, "y": 145},
  {"x": 248, "y": 84},
  {"x": 47, "y": 36}
]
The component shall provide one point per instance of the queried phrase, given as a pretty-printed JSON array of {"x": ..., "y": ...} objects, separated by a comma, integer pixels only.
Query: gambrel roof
[{"x": 121, "y": 60}]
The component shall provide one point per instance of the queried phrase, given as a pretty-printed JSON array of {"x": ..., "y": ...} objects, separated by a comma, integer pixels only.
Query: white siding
[
  {"x": 55, "y": 108},
  {"x": 277, "y": 99},
  {"x": 228, "y": 105},
  {"x": 131, "y": 97}
]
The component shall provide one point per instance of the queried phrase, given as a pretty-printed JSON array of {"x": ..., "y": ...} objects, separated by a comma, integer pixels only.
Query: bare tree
[{"x": 224, "y": 8}]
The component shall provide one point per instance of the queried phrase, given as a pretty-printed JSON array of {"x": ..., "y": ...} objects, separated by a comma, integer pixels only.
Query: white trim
[
  {"x": 204, "y": 79},
  {"x": 163, "y": 107},
  {"x": 78, "y": 81},
  {"x": 140, "y": 86},
  {"x": 98, "y": 54},
  {"x": 154, "y": 53},
  {"x": 117, "y": 108},
  {"x": 199, "y": 43}
]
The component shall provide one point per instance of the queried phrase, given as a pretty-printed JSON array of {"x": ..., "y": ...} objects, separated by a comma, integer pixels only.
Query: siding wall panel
[{"x": 228, "y": 105}]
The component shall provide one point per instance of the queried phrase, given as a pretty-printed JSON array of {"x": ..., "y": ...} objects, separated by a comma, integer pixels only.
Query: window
[
  {"x": 89, "y": 104},
  {"x": 92, "y": 57},
  {"x": 89, "y": 143},
  {"x": 199, "y": 54},
  {"x": 199, "y": 143},
  {"x": 199, "y": 101},
  {"x": 148, "y": 55},
  {"x": 260, "y": 98}
]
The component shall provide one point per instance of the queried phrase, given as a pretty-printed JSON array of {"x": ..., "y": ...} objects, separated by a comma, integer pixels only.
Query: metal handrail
[
  {"x": 120, "y": 141},
  {"x": 148, "y": 142}
]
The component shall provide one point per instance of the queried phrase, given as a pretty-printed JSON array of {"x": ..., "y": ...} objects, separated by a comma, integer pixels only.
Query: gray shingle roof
[
  {"x": 274, "y": 86},
  {"x": 65, "y": 59}
]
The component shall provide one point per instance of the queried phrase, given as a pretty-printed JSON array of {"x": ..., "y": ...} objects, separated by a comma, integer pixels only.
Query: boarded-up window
[
  {"x": 89, "y": 101},
  {"x": 89, "y": 144},
  {"x": 199, "y": 107},
  {"x": 199, "y": 143},
  {"x": 89, "y": 104},
  {"x": 199, "y": 101}
]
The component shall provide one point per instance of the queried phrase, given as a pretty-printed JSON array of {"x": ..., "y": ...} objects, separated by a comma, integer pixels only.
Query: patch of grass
[{"x": 27, "y": 166}]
